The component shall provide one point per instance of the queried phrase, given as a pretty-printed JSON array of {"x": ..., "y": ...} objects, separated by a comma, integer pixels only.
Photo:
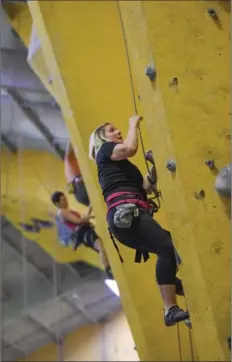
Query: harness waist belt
[
  {"x": 126, "y": 198},
  {"x": 125, "y": 193}
]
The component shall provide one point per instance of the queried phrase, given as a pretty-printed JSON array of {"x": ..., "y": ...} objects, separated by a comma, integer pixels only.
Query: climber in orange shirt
[{"x": 73, "y": 175}]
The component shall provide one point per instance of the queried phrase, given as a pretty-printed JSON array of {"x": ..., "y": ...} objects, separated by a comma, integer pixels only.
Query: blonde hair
[{"x": 96, "y": 140}]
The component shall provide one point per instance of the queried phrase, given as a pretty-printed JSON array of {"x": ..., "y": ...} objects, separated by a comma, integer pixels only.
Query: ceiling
[
  {"x": 28, "y": 117},
  {"x": 41, "y": 300}
]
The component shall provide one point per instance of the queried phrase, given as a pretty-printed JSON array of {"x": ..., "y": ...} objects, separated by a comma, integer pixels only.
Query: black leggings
[{"x": 145, "y": 234}]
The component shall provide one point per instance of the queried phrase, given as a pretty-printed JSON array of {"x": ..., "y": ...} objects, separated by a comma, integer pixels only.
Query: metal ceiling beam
[
  {"x": 23, "y": 88},
  {"x": 79, "y": 308},
  {"x": 35, "y": 120},
  {"x": 49, "y": 104},
  {"x": 10, "y": 145},
  {"x": 6, "y": 345},
  {"x": 48, "y": 273},
  {"x": 11, "y": 244},
  {"x": 32, "y": 321},
  {"x": 16, "y": 72}
]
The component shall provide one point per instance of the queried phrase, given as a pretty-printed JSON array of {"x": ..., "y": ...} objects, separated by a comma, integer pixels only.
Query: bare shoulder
[{"x": 64, "y": 212}]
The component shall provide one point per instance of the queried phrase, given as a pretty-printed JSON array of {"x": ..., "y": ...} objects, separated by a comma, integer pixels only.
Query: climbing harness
[
  {"x": 127, "y": 208},
  {"x": 71, "y": 234}
]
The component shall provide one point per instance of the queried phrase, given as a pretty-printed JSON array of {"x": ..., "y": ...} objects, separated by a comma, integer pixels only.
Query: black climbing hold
[
  {"x": 30, "y": 228},
  {"x": 50, "y": 81},
  {"x": 171, "y": 165},
  {"x": 150, "y": 72},
  {"x": 200, "y": 195},
  {"x": 229, "y": 343},
  {"x": 213, "y": 14},
  {"x": 210, "y": 164},
  {"x": 175, "y": 81}
]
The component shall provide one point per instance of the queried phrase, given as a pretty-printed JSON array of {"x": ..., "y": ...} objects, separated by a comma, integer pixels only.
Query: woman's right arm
[
  {"x": 67, "y": 215},
  {"x": 129, "y": 146}
]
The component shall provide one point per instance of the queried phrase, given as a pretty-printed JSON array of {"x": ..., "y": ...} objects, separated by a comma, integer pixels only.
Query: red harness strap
[
  {"x": 143, "y": 204},
  {"x": 71, "y": 224}
]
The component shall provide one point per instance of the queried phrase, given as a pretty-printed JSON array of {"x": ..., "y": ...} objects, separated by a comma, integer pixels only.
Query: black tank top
[{"x": 115, "y": 176}]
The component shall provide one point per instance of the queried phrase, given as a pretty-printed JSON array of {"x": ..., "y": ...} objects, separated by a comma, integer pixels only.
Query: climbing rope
[
  {"x": 156, "y": 193},
  {"x": 179, "y": 342},
  {"x": 191, "y": 344}
]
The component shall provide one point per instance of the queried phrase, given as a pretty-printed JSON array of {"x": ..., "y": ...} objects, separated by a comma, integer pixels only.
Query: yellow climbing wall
[
  {"x": 188, "y": 121},
  {"x": 97, "y": 89},
  {"x": 198, "y": 115},
  {"x": 144, "y": 310},
  {"x": 196, "y": 50}
]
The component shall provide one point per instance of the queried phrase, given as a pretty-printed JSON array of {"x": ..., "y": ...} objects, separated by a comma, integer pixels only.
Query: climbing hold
[
  {"x": 229, "y": 343},
  {"x": 150, "y": 72},
  {"x": 213, "y": 14},
  {"x": 149, "y": 157},
  {"x": 200, "y": 195},
  {"x": 223, "y": 181},
  {"x": 217, "y": 250},
  {"x": 50, "y": 81},
  {"x": 188, "y": 323},
  {"x": 171, "y": 165},
  {"x": 210, "y": 164},
  {"x": 174, "y": 82}
]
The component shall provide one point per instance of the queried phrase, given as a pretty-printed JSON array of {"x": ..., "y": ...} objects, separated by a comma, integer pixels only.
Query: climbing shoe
[
  {"x": 109, "y": 273},
  {"x": 175, "y": 315},
  {"x": 179, "y": 287}
]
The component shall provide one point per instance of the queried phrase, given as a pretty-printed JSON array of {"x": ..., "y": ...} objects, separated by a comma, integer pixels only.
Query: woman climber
[
  {"x": 129, "y": 214},
  {"x": 81, "y": 227},
  {"x": 73, "y": 175}
]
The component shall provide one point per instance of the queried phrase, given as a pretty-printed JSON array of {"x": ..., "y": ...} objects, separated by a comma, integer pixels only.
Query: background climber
[
  {"x": 129, "y": 215},
  {"x": 84, "y": 230},
  {"x": 73, "y": 175}
]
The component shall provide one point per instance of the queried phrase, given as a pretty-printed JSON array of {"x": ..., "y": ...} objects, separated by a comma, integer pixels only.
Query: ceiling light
[{"x": 113, "y": 286}]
